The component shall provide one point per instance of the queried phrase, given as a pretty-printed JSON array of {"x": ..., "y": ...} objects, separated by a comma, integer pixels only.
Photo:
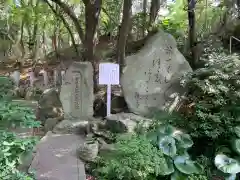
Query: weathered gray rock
[
  {"x": 32, "y": 93},
  {"x": 50, "y": 123},
  {"x": 105, "y": 147},
  {"x": 22, "y": 91},
  {"x": 26, "y": 160},
  {"x": 77, "y": 91},
  {"x": 29, "y": 93},
  {"x": 49, "y": 105},
  {"x": 76, "y": 126},
  {"x": 56, "y": 158},
  {"x": 88, "y": 151},
  {"x": 151, "y": 77},
  {"x": 125, "y": 122}
]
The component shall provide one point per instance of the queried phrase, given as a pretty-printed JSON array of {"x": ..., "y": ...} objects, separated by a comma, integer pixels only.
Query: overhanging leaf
[
  {"x": 184, "y": 140},
  {"x": 223, "y": 150},
  {"x": 178, "y": 176},
  {"x": 152, "y": 137},
  {"x": 167, "y": 167},
  {"x": 230, "y": 177},
  {"x": 187, "y": 166},
  {"x": 236, "y": 145},
  {"x": 237, "y": 131},
  {"x": 226, "y": 164},
  {"x": 168, "y": 146},
  {"x": 167, "y": 130}
]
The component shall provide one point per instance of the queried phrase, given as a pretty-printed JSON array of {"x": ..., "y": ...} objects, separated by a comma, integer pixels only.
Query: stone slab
[
  {"x": 77, "y": 91},
  {"x": 56, "y": 158},
  {"x": 151, "y": 78}
]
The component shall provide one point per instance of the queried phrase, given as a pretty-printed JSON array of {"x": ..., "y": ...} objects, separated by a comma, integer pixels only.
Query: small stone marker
[
  {"x": 16, "y": 77},
  {"x": 108, "y": 75},
  {"x": 31, "y": 78},
  {"x": 45, "y": 77},
  {"x": 63, "y": 75},
  {"x": 77, "y": 91},
  {"x": 55, "y": 77}
]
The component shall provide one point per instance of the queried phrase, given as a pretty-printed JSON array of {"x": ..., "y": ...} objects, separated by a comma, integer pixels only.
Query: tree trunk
[
  {"x": 92, "y": 12},
  {"x": 21, "y": 38},
  {"x": 34, "y": 38},
  {"x": 192, "y": 32},
  {"x": 123, "y": 33},
  {"x": 155, "y": 6},
  {"x": 144, "y": 17}
]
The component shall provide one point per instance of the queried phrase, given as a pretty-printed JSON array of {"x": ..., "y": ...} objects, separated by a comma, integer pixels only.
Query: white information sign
[
  {"x": 109, "y": 75},
  {"x": 16, "y": 77},
  {"x": 31, "y": 78}
]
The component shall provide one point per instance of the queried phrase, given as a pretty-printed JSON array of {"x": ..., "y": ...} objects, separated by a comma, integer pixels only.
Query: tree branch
[
  {"x": 66, "y": 9},
  {"x": 65, "y": 24}
]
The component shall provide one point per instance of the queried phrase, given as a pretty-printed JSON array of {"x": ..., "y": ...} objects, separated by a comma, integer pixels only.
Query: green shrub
[
  {"x": 14, "y": 115},
  {"x": 227, "y": 157},
  {"x": 12, "y": 150},
  {"x": 197, "y": 177},
  {"x": 6, "y": 86},
  {"x": 159, "y": 154},
  {"x": 134, "y": 157},
  {"x": 174, "y": 145},
  {"x": 215, "y": 91}
]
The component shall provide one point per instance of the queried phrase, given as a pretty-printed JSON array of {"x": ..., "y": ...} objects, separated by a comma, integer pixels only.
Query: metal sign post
[
  {"x": 16, "y": 77},
  {"x": 31, "y": 78},
  {"x": 230, "y": 43},
  {"x": 108, "y": 75}
]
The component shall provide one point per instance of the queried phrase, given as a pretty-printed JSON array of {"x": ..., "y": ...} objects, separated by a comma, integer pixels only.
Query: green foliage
[
  {"x": 12, "y": 152},
  {"x": 14, "y": 115},
  {"x": 197, "y": 177},
  {"x": 174, "y": 144},
  {"x": 176, "y": 22},
  {"x": 110, "y": 17},
  {"x": 159, "y": 154},
  {"x": 134, "y": 157},
  {"x": 6, "y": 87},
  {"x": 14, "y": 149},
  {"x": 215, "y": 91},
  {"x": 223, "y": 161}
]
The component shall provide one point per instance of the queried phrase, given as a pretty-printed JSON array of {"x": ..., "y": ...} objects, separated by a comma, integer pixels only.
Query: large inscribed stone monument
[
  {"x": 77, "y": 91},
  {"x": 151, "y": 77}
]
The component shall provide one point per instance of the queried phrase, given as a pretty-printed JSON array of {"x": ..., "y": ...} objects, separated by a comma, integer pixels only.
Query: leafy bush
[
  {"x": 134, "y": 157},
  {"x": 223, "y": 161},
  {"x": 14, "y": 115},
  {"x": 6, "y": 86},
  {"x": 197, "y": 177},
  {"x": 160, "y": 154},
  {"x": 174, "y": 144},
  {"x": 12, "y": 148},
  {"x": 214, "y": 90},
  {"x": 12, "y": 152}
]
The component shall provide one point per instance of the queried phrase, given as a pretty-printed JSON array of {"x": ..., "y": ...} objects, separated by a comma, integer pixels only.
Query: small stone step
[
  {"x": 27, "y": 103},
  {"x": 56, "y": 158}
]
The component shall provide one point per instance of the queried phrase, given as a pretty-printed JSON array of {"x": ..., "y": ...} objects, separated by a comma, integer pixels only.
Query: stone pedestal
[{"x": 77, "y": 91}]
